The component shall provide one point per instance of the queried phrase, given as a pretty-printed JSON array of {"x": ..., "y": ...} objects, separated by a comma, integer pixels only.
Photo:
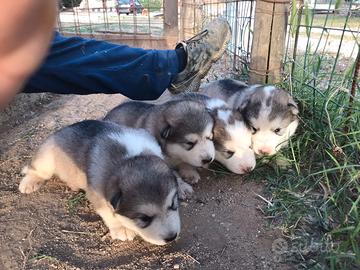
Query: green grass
[
  {"x": 317, "y": 198},
  {"x": 152, "y": 5},
  {"x": 76, "y": 200},
  {"x": 40, "y": 256},
  {"x": 124, "y": 27},
  {"x": 336, "y": 21},
  {"x": 314, "y": 184}
]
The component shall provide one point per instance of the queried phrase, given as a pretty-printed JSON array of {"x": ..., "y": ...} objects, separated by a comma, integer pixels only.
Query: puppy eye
[
  {"x": 229, "y": 153},
  {"x": 190, "y": 145},
  {"x": 253, "y": 130},
  {"x": 277, "y": 130},
  {"x": 210, "y": 138},
  {"x": 145, "y": 220},
  {"x": 175, "y": 205}
]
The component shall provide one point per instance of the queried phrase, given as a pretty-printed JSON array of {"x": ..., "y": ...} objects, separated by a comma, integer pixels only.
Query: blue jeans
[{"x": 84, "y": 66}]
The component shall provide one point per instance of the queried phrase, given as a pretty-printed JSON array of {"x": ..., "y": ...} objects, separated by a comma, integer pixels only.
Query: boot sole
[
  {"x": 194, "y": 87},
  {"x": 217, "y": 56},
  {"x": 206, "y": 69}
]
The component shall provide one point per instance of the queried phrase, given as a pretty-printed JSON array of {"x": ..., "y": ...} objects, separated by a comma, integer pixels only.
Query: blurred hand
[{"x": 26, "y": 29}]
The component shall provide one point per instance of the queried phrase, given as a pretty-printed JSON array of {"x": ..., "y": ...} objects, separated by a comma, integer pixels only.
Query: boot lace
[{"x": 192, "y": 42}]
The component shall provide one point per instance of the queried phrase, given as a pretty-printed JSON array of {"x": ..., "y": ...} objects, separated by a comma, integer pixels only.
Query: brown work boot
[{"x": 202, "y": 51}]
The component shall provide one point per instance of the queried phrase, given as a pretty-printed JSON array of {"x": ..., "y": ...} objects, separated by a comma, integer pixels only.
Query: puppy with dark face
[
  {"x": 122, "y": 172},
  {"x": 232, "y": 138},
  {"x": 184, "y": 129},
  {"x": 270, "y": 112}
]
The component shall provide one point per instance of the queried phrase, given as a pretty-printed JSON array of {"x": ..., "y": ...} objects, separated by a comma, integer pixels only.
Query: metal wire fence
[
  {"x": 321, "y": 30},
  {"x": 240, "y": 15},
  {"x": 323, "y": 43},
  {"x": 104, "y": 20},
  {"x": 321, "y": 68},
  {"x": 117, "y": 17},
  {"x": 322, "y": 57}
]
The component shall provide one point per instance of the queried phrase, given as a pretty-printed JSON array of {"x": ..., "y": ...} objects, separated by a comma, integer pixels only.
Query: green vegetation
[
  {"x": 40, "y": 256},
  {"x": 316, "y": 198},
  {"x": 75, "y": 201},
  {"x": 334, "y": 21},
  {"x": 152, "y": 5}
]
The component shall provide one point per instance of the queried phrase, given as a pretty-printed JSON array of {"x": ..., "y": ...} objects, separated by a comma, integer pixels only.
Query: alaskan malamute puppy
[
  {"x": 184, "y": 130},
  {"x": 232, "y": 138},
  {"x": 122, "y": 172},
  {"x": 270, "y": 112}
]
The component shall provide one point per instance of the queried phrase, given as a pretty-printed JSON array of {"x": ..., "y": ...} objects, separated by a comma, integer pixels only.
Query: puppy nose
[
  {"x": 247, "y": 169},
  {"x": 171, "y": 238},
  {"x": 265, "y": 151},
  {"x": 206, "y": 160}
]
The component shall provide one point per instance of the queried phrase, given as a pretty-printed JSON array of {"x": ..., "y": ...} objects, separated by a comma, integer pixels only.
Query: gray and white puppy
[
  {"x": 232, "y": 137},
  {"x": 122, "y": 172},
  {"x": 270, "y": 112},
  {"x": 184, "y": 130}
]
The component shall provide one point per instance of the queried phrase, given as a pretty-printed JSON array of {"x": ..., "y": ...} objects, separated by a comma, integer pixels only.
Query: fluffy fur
[
  {"x": 123, "y": 173},
  {"x": 270, "y": 112},
  {"x": 232, "y": 138},
  {"x": 183, "y": 129}
]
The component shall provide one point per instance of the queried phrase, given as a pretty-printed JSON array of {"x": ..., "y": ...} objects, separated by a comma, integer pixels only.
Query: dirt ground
[{"x": 222, "y": 227}]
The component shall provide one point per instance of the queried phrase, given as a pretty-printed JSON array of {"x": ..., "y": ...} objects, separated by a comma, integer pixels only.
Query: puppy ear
[
  {"x": 241, "y": 108},
  {"x": 237, "y": 115},
  {"x": 167, "y": 121},
  {"x": 116, "y": 200},
  {"x": 212, "y": 112},
  {"x": 166, "y": 132},
  {"x": 293, "y": 106}
]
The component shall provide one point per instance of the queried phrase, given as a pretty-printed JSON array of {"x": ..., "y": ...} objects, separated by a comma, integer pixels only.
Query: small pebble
[
  {"x": 213, "y": 215},
  {"x": 176, "y": 266}
]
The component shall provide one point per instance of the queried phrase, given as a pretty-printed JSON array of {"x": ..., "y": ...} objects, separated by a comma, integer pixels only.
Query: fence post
[
  {"x": 171, "y": 29},
  {"x": 191, "y": 18},
  {"x": 268, "y": 41}
]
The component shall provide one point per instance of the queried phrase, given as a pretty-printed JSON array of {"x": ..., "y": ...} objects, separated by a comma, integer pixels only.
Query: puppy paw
[
  {"x": 122, "y": 233},
  {"x": 30, "y": 184},
  {"x": 25, "y": 170},
  {"x": 190, "y": 175},
  {"x": 184, "y": 189}
]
